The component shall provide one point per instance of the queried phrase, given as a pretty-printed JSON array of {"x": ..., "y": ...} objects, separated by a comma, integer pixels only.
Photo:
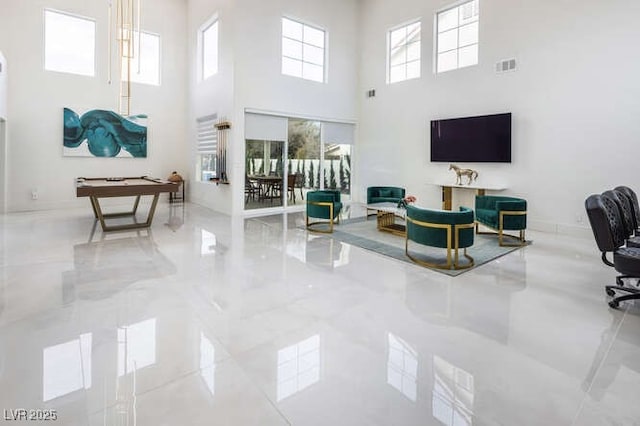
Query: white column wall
[
  {"x": 259, "y": 58},
  {"x": 574, "y": 98},
  {"x": 36, "y": 99},
  {"x": 250, "y": 75},
  {"x": 213, "y": 95},
  {"x": 260, "y": 84}
]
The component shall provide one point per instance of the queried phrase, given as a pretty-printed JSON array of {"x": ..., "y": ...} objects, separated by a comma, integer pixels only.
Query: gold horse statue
[{"x": 470, "y": 174}]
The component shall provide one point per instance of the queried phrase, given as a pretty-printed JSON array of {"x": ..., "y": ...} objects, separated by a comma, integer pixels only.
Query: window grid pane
[
  {"x": 404, "y": 53},
  {"x": 313, "y": 36},
  {"x": 291, "y": 29},
  {"x": 292, "y": 67},
  {"x": 398, "y": 73},
  {"x": 313, "y": 55},
  {"x": 448, "y": 40},
  {"x": 398, "y": 37},
  {"x": 312, "y": 72},
  {"x": 398, "y": 56},
  {"x": 468, "y": 12},
  {"x": 413, "y": 69},
  {"x": 468, "y": 35},
  {"x": 302, "y": 51},
  {"x": 468, "y": 56},
  {"x": 413, "y": 52},
  {"x": 448, "y": 20},
  {"x": 291, "y": 48},
  {"x": 457, "y": 37},
  {"x": 448, "y": 60},
  {"x": 413, "y": 32}
]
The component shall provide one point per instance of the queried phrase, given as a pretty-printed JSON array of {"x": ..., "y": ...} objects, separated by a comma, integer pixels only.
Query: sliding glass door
[
  {"x": 318, "y": 156},
  {"x": 337, "y": 140},
  {"x": 303, "y": 159},
  {"x": 265, "y": 175},
  {"x": 337, "y": 169}
]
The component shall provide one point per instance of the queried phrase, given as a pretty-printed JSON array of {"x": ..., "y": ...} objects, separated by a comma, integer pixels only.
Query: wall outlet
[
  {"x": 579, "y": 218},
  {"x": 34, "y": 194}
]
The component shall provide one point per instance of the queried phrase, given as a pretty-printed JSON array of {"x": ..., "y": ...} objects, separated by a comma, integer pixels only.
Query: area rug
[{"x": 364, "y": 233}]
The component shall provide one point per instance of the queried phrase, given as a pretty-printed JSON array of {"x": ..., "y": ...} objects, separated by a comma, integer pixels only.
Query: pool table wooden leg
[
  {"x": 95, "y": 203},
  {"x": 93, "y": 206},
  {"x": 135, "y": 205},
  {"x": 152, "y": 210},
  {"x": 98, "y": 211}
]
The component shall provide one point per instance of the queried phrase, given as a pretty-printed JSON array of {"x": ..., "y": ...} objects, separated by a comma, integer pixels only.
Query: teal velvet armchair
[
  {"x": 384, "y": 194},
  {"x": 502, "y": 214},
  {"x": 323, "y": 205},
  {"x": 441, "y": 228}
]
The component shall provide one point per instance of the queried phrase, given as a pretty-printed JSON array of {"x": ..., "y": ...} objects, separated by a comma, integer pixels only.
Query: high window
[
  {"x": 145, "y": 66},
  {"x": 457, "y": 36},
  {"x": 207, "y": 147},
  {"x": 69, "y": 43},
  {"x": 403, "y": 53},
  {"x": 208, "y": 48},
  {"x": 303, "y": 51}
]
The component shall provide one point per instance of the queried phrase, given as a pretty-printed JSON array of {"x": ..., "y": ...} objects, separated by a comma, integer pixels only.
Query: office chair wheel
[
  {"x": 610, "y": 292},
  {"x": 619, "y": 281},
  {"x": 614, "y": 304}
]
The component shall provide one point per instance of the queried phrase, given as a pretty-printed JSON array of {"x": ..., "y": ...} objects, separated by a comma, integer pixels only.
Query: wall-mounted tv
[{"x": 481, "y": 139}]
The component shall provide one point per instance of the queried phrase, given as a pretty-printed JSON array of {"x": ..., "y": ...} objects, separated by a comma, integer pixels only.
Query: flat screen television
[{"x": 481, "y": 139}]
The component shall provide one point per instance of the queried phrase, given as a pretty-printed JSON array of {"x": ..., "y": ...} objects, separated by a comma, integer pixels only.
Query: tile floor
[{"x": 212, "y": 320}]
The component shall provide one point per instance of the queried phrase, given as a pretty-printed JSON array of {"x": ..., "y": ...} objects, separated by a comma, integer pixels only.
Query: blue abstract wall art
[{"x": 100, "y": 133}]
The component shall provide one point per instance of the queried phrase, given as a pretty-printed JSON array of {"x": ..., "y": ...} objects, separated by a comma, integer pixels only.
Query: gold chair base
[
  {"x": 310, "y": 226},
  {"x": 453, "y": 238},
  {"x": 448, "y": 264},
  {"x": 501, "y": 235}
]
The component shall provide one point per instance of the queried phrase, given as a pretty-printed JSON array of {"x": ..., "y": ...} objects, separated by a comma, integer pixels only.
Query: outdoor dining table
[{"x": 270, "y": 187}]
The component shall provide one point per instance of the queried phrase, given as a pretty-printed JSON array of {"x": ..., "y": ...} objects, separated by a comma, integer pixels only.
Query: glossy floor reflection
[{"x": 206, "y": 319}]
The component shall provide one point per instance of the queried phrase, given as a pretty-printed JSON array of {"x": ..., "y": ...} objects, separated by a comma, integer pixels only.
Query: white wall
[
  {"x": 3, "y": 132},
  {"x": 260, "y": 83},
  {"x": 37, "y": 97},
  {"x": 250, "y": 75},
  {"x": 575, "y": 102},
  {"x": 3, "y": 87}
]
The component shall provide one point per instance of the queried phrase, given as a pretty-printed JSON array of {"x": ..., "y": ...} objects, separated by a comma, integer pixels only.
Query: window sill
[{"x": 217, "y": 181}]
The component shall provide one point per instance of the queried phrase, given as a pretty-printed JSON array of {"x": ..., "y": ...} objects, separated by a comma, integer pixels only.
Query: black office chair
[
  {"x": 633, "y": 198},
  {"x": 627, "y": 214},
  {"x": 608, "y": 229}
]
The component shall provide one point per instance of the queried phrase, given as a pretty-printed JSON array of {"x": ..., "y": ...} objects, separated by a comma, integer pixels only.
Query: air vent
[{"x": 506, "y": 65}]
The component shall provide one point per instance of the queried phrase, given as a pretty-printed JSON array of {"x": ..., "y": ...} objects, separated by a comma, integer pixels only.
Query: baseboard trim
[{"x": 559, "y": 228}]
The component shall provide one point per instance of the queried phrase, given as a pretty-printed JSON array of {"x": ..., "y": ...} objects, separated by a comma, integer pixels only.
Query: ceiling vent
[{"x": 506, "y": 65}]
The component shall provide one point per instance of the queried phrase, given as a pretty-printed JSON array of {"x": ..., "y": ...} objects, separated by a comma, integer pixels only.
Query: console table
[{"x": 447, "y": 191}]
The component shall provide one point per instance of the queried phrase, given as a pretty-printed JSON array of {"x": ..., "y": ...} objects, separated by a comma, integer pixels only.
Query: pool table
[{"x": 96, "y": 188}]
